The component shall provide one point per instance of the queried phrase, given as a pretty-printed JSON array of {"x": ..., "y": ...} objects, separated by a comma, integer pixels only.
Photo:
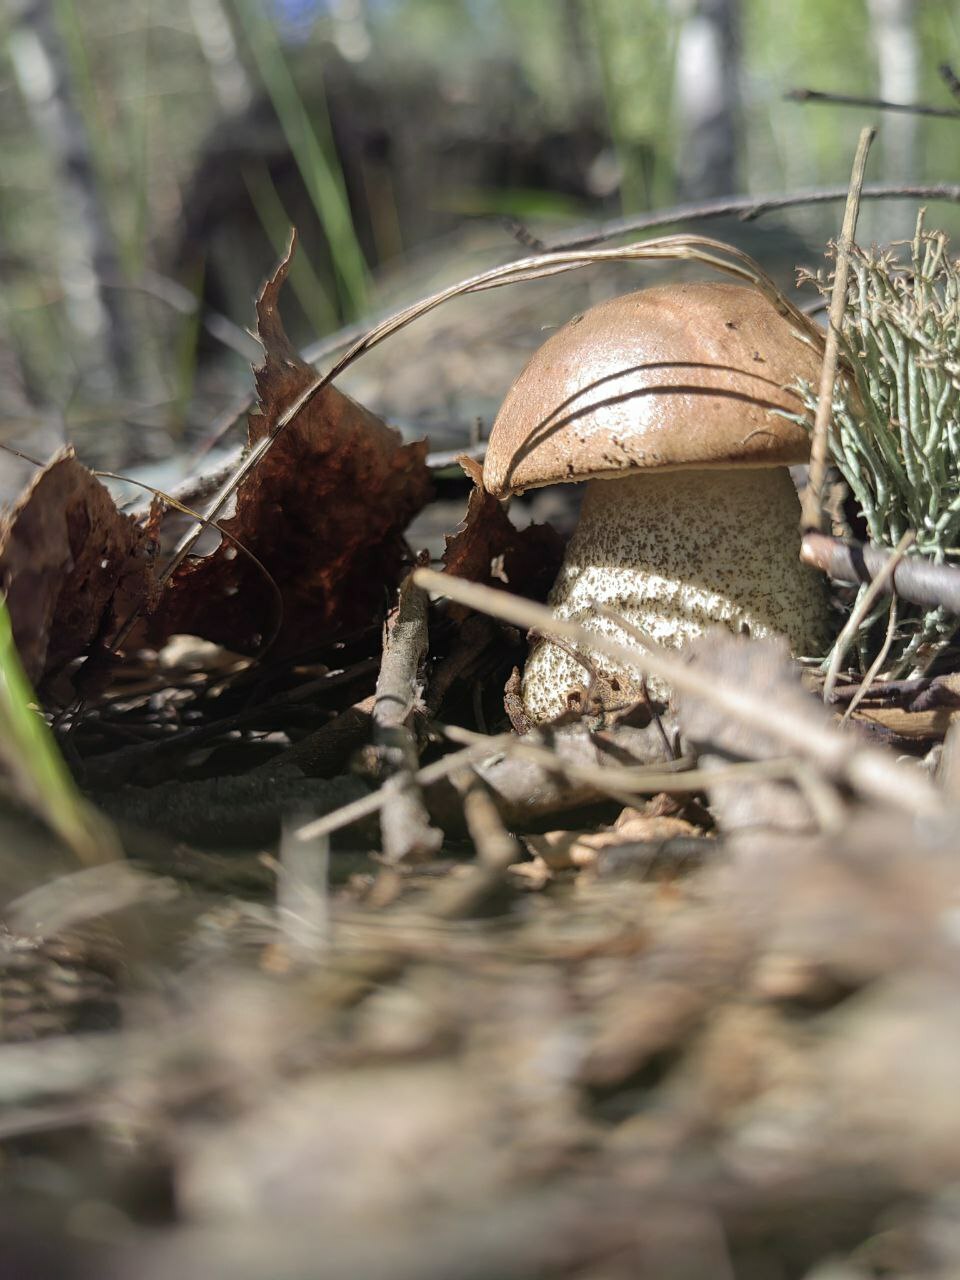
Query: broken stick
[{"x": 405, "y": 828}]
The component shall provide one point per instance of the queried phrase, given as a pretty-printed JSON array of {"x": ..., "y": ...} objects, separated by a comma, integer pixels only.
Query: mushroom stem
[{"x": 674, "y": 553}]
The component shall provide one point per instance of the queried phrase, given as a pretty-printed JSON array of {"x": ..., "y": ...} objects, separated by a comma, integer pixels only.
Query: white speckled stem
[{"x": 675, "y": 553}]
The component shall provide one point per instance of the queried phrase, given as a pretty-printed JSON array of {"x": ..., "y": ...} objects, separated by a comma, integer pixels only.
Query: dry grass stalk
[
  {"x": 626, "y": 782},
  {"x": 370, "y": 804},
  {"x": 813, "y": 494},
  {"x": 880, "y": 585},
  {"x": 497, "y": 851}
]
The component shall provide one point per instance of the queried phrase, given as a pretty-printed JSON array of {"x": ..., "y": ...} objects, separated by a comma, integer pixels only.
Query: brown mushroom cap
[{"x": 683, "y": 375}]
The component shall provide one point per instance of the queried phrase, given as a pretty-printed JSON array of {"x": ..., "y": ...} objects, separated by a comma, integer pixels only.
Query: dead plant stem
[
  {"x": 812, "y": 517},
  {"x": 861, "y": 610}
]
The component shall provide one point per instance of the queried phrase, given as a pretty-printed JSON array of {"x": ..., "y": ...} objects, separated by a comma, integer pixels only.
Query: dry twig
[
  {"x": 366, "y": 806},
  {"x": 524, "y": 789},
  {"x": 497, "y": 850},
  {"x": 550, "y": 771},
  {"x": 625, "y": 782},
  {"x": 914, "y": 578},
  {"x": 873, "y": 104},
  {"x": 404, "y": 823},
  {"x": 748, "y": 208}
]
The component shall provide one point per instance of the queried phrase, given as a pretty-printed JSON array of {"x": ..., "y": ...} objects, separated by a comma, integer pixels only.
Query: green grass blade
[
  {"x": 32, "y": 759},
  {"x": 315, "y": 156}
]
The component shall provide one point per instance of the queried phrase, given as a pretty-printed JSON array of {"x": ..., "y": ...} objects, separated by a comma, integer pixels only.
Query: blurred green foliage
[
  {"x": 147, "y": 82},
  {"x": 33, "y": 768}
]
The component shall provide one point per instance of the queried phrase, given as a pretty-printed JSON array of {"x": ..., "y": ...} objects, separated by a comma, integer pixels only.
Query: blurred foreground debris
[{"x": 743, "y": 1066}]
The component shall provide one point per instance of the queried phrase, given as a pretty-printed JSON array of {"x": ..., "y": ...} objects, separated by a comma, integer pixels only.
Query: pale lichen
[{"x": 895, "y": 432}]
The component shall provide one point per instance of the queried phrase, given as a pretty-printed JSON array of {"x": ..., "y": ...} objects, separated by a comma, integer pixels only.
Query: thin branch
[
  {"x": 915, "y": 579},
  {"x": 549, "y": 771},
  {"x": 370, "y": 804},
  {"x": 678, "y": 776},
  {"x": 458, "y": 897},
  {"x": 748, "y": 208},
  {"x": 404, "y": 823},
  {"x": 526, "y": 789},
  {"x": 812, "y": 505},
  {"x": 872, "y": 104}
]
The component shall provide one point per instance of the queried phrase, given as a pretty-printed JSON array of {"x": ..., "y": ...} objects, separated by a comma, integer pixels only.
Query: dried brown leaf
[
  {"x": 71, "y": 565},
  {"x": 323, "y": 511},
  {"x": 488, "y": 548}
]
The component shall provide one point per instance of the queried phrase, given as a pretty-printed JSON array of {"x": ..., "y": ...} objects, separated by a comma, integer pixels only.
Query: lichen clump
[{"x": 895, "y": 431}]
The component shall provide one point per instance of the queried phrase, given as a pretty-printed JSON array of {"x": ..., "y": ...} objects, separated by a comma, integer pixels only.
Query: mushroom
[{"x": 671, "y": 403}]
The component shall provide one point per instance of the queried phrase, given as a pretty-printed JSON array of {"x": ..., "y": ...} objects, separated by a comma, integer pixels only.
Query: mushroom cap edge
[{"x": 689, "y": 375}]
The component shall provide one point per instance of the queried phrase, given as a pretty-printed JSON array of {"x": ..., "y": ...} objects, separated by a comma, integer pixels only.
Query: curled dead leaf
[
  {"x": 323, "y": 511},
  {"x": 489, "y": 548},
  {"x": 71, "y": 565}
]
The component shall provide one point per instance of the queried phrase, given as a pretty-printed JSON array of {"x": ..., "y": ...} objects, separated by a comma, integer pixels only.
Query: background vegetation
[{"x": 154, "y": 155}]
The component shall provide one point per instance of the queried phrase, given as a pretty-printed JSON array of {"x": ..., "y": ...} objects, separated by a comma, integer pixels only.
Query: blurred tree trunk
[
  {"x": 578, "y": 70},
  {"x": 707, "y": 97},
  {"x": 218, "y": 45},
  {"x": 85, "y": 252},
  {"x": 894, "y": 32},
  {"x": 36, "y": 432}
]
